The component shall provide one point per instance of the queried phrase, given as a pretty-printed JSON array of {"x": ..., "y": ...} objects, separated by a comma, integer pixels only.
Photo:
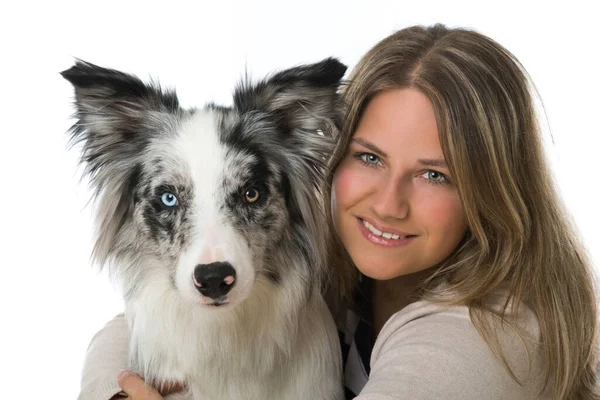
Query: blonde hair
[{"x": 519, "y": 234}]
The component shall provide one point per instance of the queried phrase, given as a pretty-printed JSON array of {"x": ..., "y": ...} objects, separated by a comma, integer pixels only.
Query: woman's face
[{"x": 396, "y": 209}]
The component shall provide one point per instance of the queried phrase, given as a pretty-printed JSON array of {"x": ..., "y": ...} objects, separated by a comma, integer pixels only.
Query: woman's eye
[
  {"x": 435, "y": 177},
  {"x": 169, "y": 199},
  {"x": 369, "y": 159},
  {"x": 251, "y": 195}
]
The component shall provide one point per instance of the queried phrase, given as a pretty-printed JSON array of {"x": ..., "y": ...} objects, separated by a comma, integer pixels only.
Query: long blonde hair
[{"x": 519, "y": 233}]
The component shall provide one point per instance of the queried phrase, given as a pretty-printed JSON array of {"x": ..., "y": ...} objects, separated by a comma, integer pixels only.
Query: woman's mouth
[{"x": 385, "y": 237}]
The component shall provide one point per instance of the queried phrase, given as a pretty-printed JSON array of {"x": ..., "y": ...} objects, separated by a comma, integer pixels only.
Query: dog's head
[{"x": 207, "y": 202}]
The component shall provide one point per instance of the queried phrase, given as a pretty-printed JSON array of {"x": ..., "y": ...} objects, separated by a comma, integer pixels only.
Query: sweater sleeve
[
  {"x": 106, "y": 355},
  {"x": 434, "y": 352}
]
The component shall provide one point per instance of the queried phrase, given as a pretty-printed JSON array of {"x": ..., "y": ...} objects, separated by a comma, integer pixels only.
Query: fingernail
[{"x": 123, "y": 373}]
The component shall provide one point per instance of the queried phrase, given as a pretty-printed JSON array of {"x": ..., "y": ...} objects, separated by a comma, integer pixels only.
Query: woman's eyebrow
[
  {"x": 433, "y": 162},
  {"x": 369, "y": 146}
]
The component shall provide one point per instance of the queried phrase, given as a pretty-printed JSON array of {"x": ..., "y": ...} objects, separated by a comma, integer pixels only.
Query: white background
[{"x": 51, "y": 300}]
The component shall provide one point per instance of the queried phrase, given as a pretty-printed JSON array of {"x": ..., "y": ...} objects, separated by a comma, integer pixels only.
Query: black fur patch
[
  {"x": 260, "y": 96},
  {"x": 111, "y": 84}
]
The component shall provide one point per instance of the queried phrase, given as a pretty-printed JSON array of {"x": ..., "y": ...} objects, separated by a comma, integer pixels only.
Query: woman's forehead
[{"x": 400, "y": 121}]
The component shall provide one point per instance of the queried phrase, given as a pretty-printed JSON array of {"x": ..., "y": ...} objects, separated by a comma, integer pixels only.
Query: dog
[{"x": 211, "y": 220}]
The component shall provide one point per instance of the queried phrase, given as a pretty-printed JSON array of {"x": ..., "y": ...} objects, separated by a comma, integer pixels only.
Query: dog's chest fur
[{"x": 259, "y": 352}]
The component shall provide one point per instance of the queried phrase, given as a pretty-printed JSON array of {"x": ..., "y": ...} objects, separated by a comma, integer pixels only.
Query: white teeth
[
  {"x": 379, "y": 233},
  {"x": 374, "y": 230}
]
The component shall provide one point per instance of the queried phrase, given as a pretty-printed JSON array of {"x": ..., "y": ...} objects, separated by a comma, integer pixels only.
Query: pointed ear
[
  {"x": 113, "y": 102},
  {"x": 95, "y": 85},
  {"x": 304, "y": 97},
  {"x": 116, "y": 114}
]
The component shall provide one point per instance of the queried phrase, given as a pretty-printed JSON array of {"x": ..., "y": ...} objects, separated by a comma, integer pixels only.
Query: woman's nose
[{"x": 391, "y": 200}]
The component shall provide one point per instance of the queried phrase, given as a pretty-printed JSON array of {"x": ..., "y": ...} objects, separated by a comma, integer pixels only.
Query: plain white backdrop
[{"x": 52, "y": 301}]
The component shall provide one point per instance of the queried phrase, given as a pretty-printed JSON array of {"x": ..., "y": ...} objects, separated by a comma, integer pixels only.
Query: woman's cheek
[
  {"x": 347, "y": 184},
  {"x": 442, "y": 209}
]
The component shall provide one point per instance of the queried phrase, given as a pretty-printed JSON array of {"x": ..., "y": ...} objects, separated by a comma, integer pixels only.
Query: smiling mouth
[{"x": 385, "y": 235}]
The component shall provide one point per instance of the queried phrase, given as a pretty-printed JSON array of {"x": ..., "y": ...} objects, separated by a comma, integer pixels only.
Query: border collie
[{"x": 211, "y": 220}]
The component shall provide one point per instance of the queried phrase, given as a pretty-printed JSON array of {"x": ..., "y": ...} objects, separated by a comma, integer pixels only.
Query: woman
[{"x": 466, "y": 276}]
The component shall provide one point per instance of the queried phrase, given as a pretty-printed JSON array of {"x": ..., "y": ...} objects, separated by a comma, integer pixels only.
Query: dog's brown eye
[{"x": 251, "y": 195}]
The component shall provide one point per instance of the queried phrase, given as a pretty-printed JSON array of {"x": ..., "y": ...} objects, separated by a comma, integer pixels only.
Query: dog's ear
[
  {"x": 124, "y": 95},
  {"x": 304, "y": 97},
  {"x": 114, "y": 109},
  {"x": 116, "y": 114}
]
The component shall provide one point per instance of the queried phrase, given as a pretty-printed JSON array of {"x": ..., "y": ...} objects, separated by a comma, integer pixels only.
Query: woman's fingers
[{"x": 136, "y": 388}]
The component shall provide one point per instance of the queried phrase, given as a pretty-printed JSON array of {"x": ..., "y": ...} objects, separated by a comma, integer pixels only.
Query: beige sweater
[{"x": 425, "y": 351}]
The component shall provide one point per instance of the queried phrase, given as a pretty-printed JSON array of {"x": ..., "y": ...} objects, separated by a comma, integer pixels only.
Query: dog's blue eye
[{"x": 169, "y": 199}]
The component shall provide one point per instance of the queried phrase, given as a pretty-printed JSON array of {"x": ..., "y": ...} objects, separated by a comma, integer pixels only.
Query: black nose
[{"x": 214, "y": 280}]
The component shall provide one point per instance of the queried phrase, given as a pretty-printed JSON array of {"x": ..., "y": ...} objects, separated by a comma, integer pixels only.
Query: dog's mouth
[
  {"x": 208, "y": 303},
  {"x": 217, "y": 303}
]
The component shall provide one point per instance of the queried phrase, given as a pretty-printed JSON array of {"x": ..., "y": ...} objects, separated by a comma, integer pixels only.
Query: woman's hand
[{"x": 136, "y": 389}]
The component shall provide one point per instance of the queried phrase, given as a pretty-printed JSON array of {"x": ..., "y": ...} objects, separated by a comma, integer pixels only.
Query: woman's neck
[{"x": 392, "y": 295}]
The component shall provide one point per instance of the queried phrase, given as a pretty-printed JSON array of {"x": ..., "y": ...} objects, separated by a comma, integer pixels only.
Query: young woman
[{"x": 465, "y": 276}]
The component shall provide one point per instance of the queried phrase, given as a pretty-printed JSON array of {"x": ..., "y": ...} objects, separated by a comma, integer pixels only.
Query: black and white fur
[{"x": 184, "y": 191}]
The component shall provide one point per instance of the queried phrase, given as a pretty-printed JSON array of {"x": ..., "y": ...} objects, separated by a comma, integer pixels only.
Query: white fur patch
[{"x": 213, "y": 238}]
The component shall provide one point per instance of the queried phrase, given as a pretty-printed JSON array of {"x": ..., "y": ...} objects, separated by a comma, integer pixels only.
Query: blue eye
[{"x": 169, "y": 199}]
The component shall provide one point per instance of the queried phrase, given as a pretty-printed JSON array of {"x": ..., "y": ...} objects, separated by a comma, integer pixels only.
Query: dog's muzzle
[{"x": 214, "y": 280}]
